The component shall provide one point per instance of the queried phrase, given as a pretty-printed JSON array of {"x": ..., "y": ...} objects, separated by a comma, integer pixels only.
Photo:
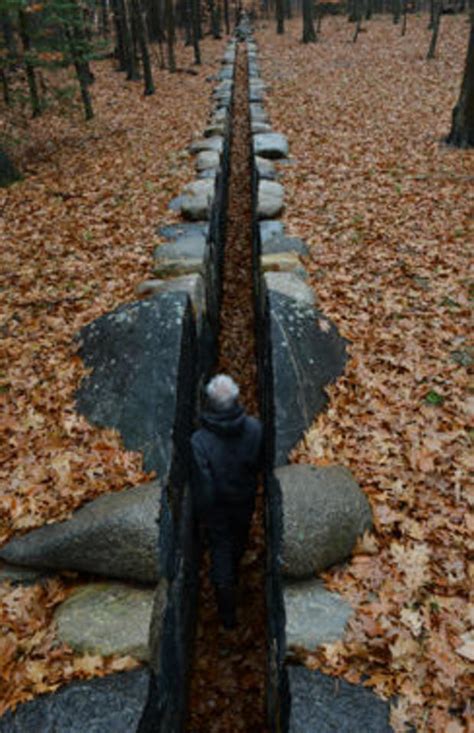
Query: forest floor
[
  {"x": 76, "y": 236},
  {"x": 387, "y": 210}
]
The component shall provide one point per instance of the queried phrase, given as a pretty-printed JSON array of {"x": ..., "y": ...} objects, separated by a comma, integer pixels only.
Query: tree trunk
[
  {"x": 8, "y": 172},
  {"x": 196, "y": 29},
  {"x": 142, "y": 42},
  {"x": 30, "y": 72},
  {"x": 309, "y": 34},
  {"x": 120, "y": 48},
  {"x": 5, "y": 87},
  {"x": 170, "y": 34},
  {"x": 214, "y": 18},
  {"x": 432, "y": 15},
  {"x": 81, "y": 71},
  {"x": 434, "y": 35},
  {"x": 462, "y": 128},
  {"x": 135, "y": 42},
  {"x": 369, "y": 10},
  {"x": 226, "y": 17},
  {"x": 9, "y": 35},
  {"x": 280, "y": 16},
  {"x": 104, "y": 18},
  {"x": 358, "y": 15},
  {"x": 288, "y": 13},
  {"x": 397, "y": 10},
  {"x": 405, "y": 14}
]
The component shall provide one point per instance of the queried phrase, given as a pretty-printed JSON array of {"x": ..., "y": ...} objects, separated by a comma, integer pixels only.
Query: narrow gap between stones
[{"x": 229, "y": 671}]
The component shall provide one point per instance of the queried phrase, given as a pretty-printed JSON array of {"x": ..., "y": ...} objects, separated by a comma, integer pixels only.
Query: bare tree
[
  {"x": 170, "y": 34},
  {"x": 462, "y": 129},
  {"x": 434, "y": 35},
  {"x": 309, "y": 34},
  {"x": 280, "y": 15}
]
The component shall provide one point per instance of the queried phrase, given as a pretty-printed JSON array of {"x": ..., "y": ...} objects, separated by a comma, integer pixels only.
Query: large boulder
[
  {"x": 327, "y": 704},
  {"x": 112, "y": 704},
  {"x": 324, "y": 512},
  {"x": 207, "y": 159},
  {"x": 270, "y": 145},
  {"x": 290, "y": 284},
  {"x": 314, "y": 616},
  {"x": 265, "y": 168},
  {"x": 270, "y": 199},
  {"x": 283, "y": 262},
  {"x": 105, "y": 619},
  {"x": 215, "y": 143},
  {"x": 270, "y": 229},
  {"x": 277, "y": 244},
  {"x": 306, "y": 353},
  {"x": 141, "y": 360},
  {"x": 192, "y": 284},
  {"x": 115, "y": 535},
  {"x": 196, "y": 200}
]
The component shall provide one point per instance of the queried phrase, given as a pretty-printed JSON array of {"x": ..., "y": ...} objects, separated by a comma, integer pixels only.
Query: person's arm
[{"x": 202, "y": 480}]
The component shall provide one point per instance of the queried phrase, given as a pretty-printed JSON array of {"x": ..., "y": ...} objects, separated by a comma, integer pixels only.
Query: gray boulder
[
  {"x": 215, "y": 143},
  {"x": 257, "y": 113},
  {"x": 270, "y": 145},
  {"x": 307, "y": 353},
  {"x": 283, "y": 262},
  {"x": 112, "y": 704},
  {"x": 314, "y": 616},
  {"x": 184, "y": 230},
  {"x": 226, "y": 72},
  {"x": 291, "y": 285},
  {"x": 192, "y": 284},
  {"x": 270, "y": 229},
  {"x": 197, "y": 198},
  {"x": 115, "y": 535},
  {"x": 324, "y": 512},
  {"x": 141, "y": 361},
  {"x": 327, "y": 704},
  {"x": 265, "y": 168},
  {"x": 207, "y": 159},
  {"x": 19, "y": 575},
  {"x": 275, "y": 244},
  {"x": 259, "y": 127},
  {"x": 270, "y": 199},
  {"x": 107, "y": 618}
]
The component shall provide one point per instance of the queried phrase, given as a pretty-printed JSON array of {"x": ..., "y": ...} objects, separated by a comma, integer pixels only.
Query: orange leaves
[{"x": 386, "y": 210}]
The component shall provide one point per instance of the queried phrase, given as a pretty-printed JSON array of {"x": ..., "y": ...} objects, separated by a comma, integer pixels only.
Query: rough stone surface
[
  {"x": 323, "y": 704},
  {"x": 270, "y": 229},
  {"x": 215, "y": 128},
  {"x": 107, "y": 618},
  {"x": 288, "y": 262},
  {"x": 307, "y": 353},
  {"x": 115, "y": 535},
  {"x": 196, "y": 201},
  {"x": 265, "y": 168},
  {"x": 270, "y": 145},
  {"x": 184, "y": 230},
  {"x": 277, "y": 244},
  {"x": 314, "y": 616},
  {"x": 112, "y": 704},
  {"x": 215, "y": 143},
  {"x": 256, "y": 95},
  {"x": 324, "y": 512},
  {"x": 270, "y": 199},
  {"x": 192, "y": 284},
  {"x": 259, "y": 127},
  {"x": 291, "y": 285},
  {"x": 257, "y": 113},
  {"x": 174, "y": 268},
  {"x": 135, "y": 355},
  {"x": 227, "y": 72},
  {"x": 191, "y": 246},
  {"x": 209, "y": 173},
  {"x": 18, "y": 575},
  {"x": 207, "y": 159}
]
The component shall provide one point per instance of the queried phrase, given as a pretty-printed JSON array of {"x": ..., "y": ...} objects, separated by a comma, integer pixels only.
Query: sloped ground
[
  {"x": 228, "y": 681},
  {"x": 386, "y": 210},
  {"x": 76, "y": 235}
]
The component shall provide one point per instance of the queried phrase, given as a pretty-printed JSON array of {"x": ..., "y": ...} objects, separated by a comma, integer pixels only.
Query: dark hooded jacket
[{"x": 227, "y": 455}]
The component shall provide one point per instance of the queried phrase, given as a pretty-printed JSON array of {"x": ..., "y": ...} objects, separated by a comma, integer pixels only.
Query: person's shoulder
[{"x": 253, "y": 423}]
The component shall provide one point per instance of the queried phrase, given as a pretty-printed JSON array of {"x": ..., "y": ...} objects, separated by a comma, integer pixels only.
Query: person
[{"x": 226, "y": 453}]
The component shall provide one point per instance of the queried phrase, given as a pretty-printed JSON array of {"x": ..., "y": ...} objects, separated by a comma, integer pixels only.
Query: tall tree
[
  {"x": 280, "y": 15},
  {"x": 28, "y": 55},
  {"x": 196, "y": 30},
  {"x": 170, "y": 34},
  {"x": 309, "y": 34},
  {"x": 143, "y": 44},
  {"x": 435, "y": 31},
  {"x": 462, "y": 129}
]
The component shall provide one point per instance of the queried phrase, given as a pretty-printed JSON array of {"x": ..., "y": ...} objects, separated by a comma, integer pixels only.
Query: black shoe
[{"x": 225, "y": 597}]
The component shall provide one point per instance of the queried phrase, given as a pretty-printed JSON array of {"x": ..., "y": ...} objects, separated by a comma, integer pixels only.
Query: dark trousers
[{"x": 227, "y": 531}]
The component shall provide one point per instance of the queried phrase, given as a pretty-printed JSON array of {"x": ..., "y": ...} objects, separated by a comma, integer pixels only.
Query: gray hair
[{"x": 222, "y": 392}]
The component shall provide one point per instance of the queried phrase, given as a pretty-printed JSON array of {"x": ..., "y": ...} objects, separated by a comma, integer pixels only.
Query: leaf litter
[
  {"x": 387, "y": 211},
  {"x": 76, "y": 235}
]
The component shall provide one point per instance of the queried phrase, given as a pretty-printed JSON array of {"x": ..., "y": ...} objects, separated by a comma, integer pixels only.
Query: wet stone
[
  {"x": 107, "y": 618},
  {"x": 314, "y": 616},
  {"x": 270, "y": 145},
  {"x": 327, "y": 704},
  {"x": 324, "y": 513},
  {"x": 112, "y": 704},
  {"x": 115, "y": 535}
]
